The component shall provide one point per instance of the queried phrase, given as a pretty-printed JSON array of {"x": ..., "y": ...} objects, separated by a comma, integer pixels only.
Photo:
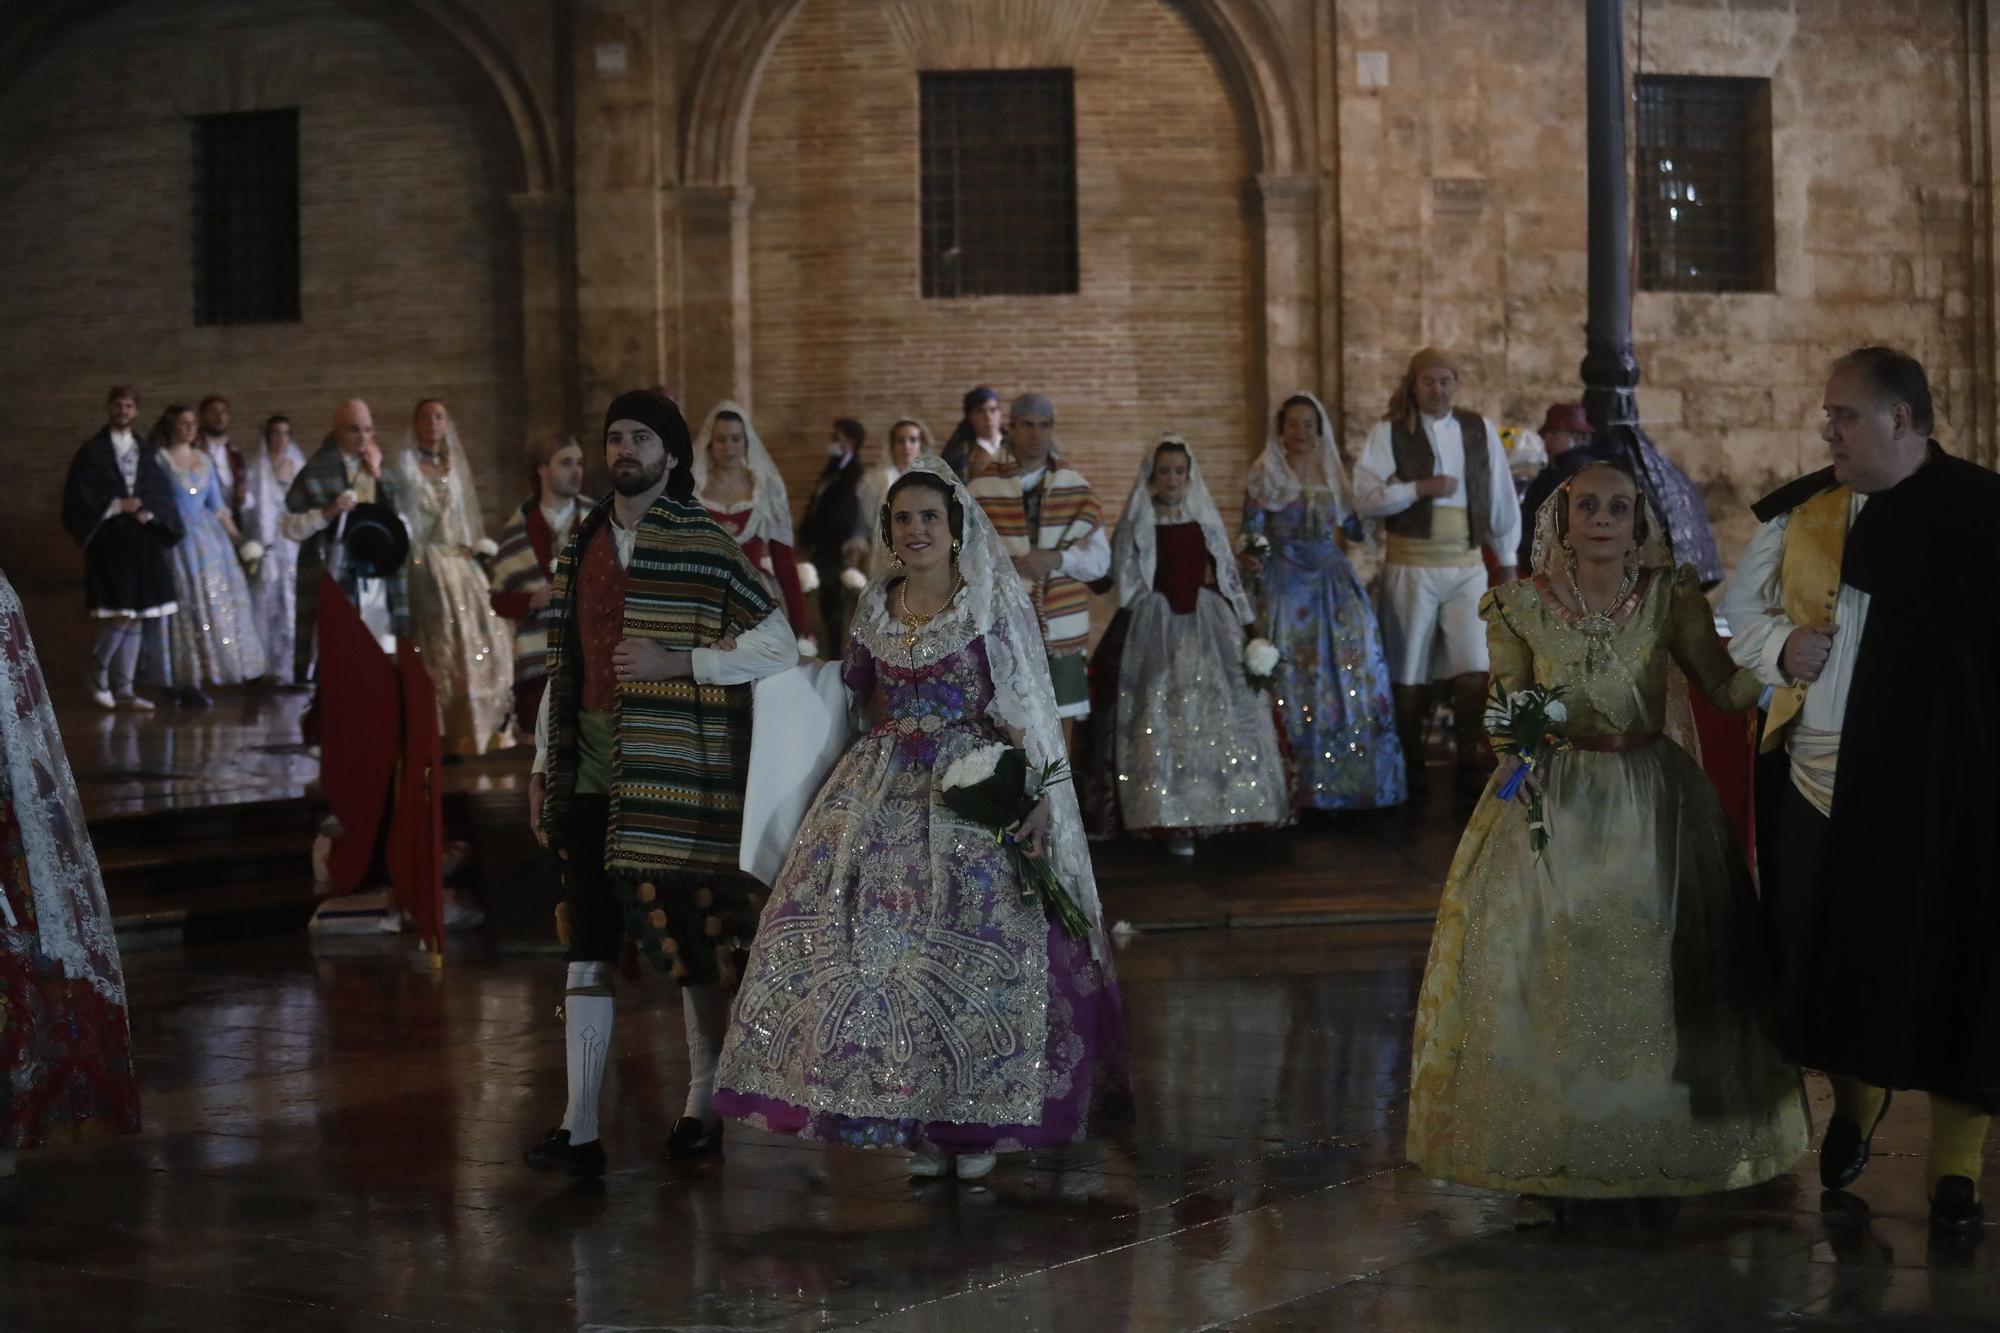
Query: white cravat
[{"x": 126, "y": 449}]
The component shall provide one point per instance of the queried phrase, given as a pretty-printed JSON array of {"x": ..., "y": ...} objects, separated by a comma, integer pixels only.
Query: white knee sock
[
  {"x": 705, "y": 1011},
  {"x": 587, "y": 1011}
]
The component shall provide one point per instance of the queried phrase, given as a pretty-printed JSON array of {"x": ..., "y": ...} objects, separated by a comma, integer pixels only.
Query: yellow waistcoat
[{"x": 1808, "y": 586}]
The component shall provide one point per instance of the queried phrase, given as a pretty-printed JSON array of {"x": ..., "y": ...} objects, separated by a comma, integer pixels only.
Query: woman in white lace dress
[{"x": 467, "y": 647}]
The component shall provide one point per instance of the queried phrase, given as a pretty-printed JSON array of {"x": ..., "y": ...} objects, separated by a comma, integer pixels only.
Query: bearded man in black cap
[
  {"x": 642, "y": 753},
  {"x": 346, "y": 471}
]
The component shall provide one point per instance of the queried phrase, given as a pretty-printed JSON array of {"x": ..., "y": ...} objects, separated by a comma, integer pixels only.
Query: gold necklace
[
  {"x": 913, "y": 622},
  {"x": 1598, "y": 626}
]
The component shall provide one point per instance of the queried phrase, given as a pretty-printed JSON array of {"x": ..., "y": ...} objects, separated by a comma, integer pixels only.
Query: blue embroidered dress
[
  {"x": 1332, "y": 681},
  {"x": 214, "y": 638}
]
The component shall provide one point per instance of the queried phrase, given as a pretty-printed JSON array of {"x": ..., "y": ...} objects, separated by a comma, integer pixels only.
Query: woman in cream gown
[
  {"x": 467, "y": 646},
  {"x": 1595, "y": 1019}
]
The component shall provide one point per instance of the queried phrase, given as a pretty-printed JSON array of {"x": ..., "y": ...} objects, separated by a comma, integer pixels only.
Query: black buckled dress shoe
[
  {"x": 1955, "y": 1207},
  {"x": 694, "y": 1138},
  {"x": 556, "y": 1153},
  {"x": 1843, "y": 1153}
]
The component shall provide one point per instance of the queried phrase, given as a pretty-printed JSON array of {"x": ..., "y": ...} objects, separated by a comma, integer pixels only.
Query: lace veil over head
[
  {"x": 1024, "y": 700},
  {"x": 463, "y": 522},
  {"x": 1546, "y": 555},
  {"x": 770, "y": 506},
  {"x": 1272, "y": 484},
  {"x": 1135, "y": 548}
]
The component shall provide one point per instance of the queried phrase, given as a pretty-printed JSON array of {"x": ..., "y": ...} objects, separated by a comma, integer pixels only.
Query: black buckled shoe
[
  {"x": 694, "y": 1138},
  {"x": 1955, "y": 1207},
  {"x": 1843, "y": 1153},
  {"x": 556, "y": 1153}
]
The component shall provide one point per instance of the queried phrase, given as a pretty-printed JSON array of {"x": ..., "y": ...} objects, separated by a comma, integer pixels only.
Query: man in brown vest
[
  {"x": 1870, "y": 603},
  {"x": 1438, "y": 477}
]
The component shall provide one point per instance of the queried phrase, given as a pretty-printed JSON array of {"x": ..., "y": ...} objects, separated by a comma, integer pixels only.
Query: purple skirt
[{"x": 1086, "y": 1048}]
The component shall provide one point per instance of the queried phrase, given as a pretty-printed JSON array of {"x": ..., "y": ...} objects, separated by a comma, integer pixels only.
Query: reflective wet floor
[{"x": 333, "y": 1142}]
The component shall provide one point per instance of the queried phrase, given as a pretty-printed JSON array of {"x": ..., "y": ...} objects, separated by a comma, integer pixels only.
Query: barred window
[
  {"x": 999, "y": 182},
  {"x": 246, "y": 217},
  {"x": 1704, "y": 184}
]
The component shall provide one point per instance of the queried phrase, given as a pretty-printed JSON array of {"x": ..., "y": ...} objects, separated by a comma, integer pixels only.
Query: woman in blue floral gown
[
  {"x": 214, "y": 637},
  {"x": 902, "y": 990},
  {"x": 1332, "y": 683}
]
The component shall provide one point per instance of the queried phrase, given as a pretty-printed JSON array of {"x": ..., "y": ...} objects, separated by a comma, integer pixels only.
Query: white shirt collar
[{"x": 123, "y": 441}]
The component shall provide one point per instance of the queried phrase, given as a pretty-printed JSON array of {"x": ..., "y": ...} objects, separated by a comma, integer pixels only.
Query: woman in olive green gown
[{"x": 1595, "y": 1018}]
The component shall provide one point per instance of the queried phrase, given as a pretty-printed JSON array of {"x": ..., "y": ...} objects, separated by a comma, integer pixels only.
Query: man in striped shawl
[
  {"x": 524, "y": 567},
  {"x": 1051, "y": 523},
  {"x": 642, "y": 749}
]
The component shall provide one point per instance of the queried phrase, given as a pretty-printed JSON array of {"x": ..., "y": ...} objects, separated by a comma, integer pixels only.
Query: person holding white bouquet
[
  {"x": 912, "y": 984},
  {"x": 1184, "y": 743},
  {"x": 1597, "y": 1020},
  {"x": 467, "y": 646},
  {"x": 270, "y": 557},
  {"x": 1332, "y": 680}
]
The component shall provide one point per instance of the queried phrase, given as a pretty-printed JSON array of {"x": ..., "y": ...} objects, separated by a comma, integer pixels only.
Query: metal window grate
[
  {"x": 999, "y": 182},
  {"x": 246, "y": 217},
  {"x": 1704, "y": 184}
]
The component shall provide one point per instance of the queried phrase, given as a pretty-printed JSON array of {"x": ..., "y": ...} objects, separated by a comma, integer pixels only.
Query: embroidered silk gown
[
  {"x": 901, "y": 990},
  {"x": 1194, "y": 748},
  {"x": 65, "y": 1054},
  {"x": 1596, "y": 1021},
  {"x": 214, "y": 638},
  {"x": 1332, "y": 681},
  {"x": 467, "y": 646}
]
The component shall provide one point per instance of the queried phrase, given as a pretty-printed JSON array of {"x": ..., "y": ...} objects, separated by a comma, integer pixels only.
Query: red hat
[{"x": 1568, "y": 417}]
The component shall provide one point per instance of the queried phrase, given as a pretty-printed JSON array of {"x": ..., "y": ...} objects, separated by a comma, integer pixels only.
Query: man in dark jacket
[
  {"x": 118, "y": 502},
  {"x": 834, "y": 533}
]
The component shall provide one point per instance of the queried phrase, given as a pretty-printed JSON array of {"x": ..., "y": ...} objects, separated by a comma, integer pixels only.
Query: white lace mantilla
[{"x": 72, "y": 922}]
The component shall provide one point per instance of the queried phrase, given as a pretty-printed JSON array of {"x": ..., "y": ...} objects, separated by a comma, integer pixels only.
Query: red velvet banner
[
  {"x": 416, "y": 832},
  {"x": 360, "y": 730}
]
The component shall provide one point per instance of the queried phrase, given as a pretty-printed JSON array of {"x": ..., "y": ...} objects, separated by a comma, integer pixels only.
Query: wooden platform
[{"x": 204, "y": 822}]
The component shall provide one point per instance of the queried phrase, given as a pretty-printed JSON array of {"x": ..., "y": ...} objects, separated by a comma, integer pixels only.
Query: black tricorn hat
[{"x": 375, "y": 540}]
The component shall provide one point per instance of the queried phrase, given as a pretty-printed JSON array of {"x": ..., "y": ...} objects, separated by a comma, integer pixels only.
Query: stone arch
[
  {"x": 31, "y": 24},
  {"x": 1249, "y": 53}
]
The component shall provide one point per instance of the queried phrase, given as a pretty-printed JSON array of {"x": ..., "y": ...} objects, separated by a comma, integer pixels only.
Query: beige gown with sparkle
[
  {"x": 467, "y": 646},
  {"x": 1596, "y": 1021}
]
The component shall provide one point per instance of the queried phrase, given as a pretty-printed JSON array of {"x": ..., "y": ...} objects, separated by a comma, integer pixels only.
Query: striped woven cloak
[
  {"x": 681, "y": 750},
  {"x": 1070, "y": 513}
]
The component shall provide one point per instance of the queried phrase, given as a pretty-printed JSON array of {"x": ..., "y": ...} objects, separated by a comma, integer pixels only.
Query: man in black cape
[
  {"x": 834, "y": 532},
  {"x": 118, "y": 502},
  {"x": 1870, "y": 602}
]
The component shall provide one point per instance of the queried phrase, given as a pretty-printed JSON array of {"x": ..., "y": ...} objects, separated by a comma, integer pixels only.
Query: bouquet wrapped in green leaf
[
  {"x": 996, "y": 788},
  {"x": 1527, "y": 724}
]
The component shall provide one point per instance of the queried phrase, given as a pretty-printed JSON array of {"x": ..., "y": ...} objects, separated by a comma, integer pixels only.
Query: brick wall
[
  {"x": 1463, "y": 219},
  {"x": 1157, "y": 337},
  {"x": 409, "y": 262}
]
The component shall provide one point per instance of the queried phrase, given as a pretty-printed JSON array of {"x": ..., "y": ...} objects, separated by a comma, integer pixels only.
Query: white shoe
[
  {"x": 103, "y": 699},
  {"x": 929, "y": 1164},
  {"x": 973, "y": 1165},
  {"x": 1181, "y": 844},
  {"x": 132, "y": 703}
]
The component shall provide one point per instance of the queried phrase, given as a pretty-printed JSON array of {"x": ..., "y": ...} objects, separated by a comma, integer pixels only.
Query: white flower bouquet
[
  {"x": 853, "y": 579},
  {"x": 1260, "y": 663},
  {"x": 486, "y": 548},
  {"x": 1527, "y": 724},
  {"x": 251, "y": 554},
  {"x": 1257, "y": 546},
  {"x": 808, "y": 646},
  {"x": 808, "y": 577},
  {"x": 996, "y": 788}
]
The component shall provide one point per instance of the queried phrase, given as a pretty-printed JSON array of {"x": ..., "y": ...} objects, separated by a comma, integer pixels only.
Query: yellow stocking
[
  {"x": 1958, "y": 1141},
  {"x": 1858, "y": 1102}
]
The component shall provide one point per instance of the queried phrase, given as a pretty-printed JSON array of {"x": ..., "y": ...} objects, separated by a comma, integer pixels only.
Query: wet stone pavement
[{"x": 333, "y": 1143}]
